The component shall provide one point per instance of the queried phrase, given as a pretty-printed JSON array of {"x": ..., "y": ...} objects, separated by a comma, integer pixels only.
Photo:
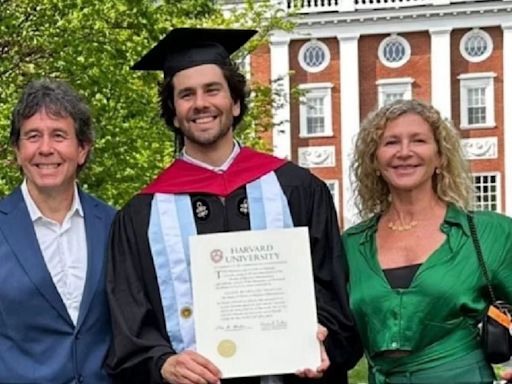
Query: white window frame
[
  {"x": 335, "y": 191},
  {"x": 322, "y": 46},
  {"x": 316, "y": 90},
  {"x": 498, "y": 189},
  {"x": 397, "y": 85},
  {"x": 477, "y": 80},
  {"x": 466, "y": 37}
]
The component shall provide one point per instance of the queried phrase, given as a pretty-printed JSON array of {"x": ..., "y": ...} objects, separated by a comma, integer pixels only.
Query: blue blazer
[{"x": 38, "y": 341}]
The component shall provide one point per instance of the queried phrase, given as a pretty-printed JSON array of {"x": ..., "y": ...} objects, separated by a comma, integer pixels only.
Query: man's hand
[
  {"x": 189, "y": 367},
  {"x": 506, "y": 375},
  {"x": 321, "y": 334}
]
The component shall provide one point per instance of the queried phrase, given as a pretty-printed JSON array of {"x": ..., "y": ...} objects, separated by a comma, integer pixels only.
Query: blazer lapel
[
  {"x": 95, "y": 231},
  {"x": 19, "y": 232}
]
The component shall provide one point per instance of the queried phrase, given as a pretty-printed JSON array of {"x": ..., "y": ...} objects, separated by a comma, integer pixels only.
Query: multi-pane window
[
  {"x": 392, "y": 96},
  {"x": 333, "y": 187},
  {"x": 316, "y": 110},
  {"x": 487, "y": 192},
  {"x": 390, "y": 90},
  {"x": 477, "y": 100},
  {"x": 476, "y": 105},
  {"x": 315, "y": 115}
]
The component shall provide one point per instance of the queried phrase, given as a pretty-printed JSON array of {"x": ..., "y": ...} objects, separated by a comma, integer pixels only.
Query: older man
[{"x": 54, "y": 319}]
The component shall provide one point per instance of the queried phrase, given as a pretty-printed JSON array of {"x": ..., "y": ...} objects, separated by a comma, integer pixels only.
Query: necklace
[{"x": 398, "y": 226}]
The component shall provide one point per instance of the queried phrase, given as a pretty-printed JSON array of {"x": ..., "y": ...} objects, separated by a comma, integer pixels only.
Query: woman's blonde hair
[{"x": 453, "y": 183}]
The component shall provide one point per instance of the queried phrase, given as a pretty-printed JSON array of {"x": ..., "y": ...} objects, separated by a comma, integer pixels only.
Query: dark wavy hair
[
  {"x": 237, "y": 85},
  {"x": 57, "y": 99}
]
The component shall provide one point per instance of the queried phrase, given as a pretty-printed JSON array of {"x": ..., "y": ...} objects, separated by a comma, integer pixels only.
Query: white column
[
  {"x": 279, "y": 75},
  {"x": 507, "y": 115},
  {"x": 350, "y": 119},
  {"x": 441, "y": 70}
]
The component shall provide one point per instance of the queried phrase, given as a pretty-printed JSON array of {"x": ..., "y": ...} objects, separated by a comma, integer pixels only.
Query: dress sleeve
[{"x": 140, "y": 342}]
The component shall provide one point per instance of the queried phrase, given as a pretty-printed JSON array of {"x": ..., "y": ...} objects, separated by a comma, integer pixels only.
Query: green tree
[{"x": 91, "y": 44}]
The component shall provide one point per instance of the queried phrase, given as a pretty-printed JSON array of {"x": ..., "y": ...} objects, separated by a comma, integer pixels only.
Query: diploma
[{"x": 254, "y": 301}]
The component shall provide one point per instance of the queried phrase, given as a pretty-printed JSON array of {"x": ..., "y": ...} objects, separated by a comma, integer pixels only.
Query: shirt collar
[
  {"x": 35, "y": 213},
  {"x": 455, "y": 216},
  {"x": 365, "y": 228},
  {"x": 222, "y": 168}
]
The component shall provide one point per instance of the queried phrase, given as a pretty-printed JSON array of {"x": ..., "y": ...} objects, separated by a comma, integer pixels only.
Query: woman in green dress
[{"x": 416, "y": 288}]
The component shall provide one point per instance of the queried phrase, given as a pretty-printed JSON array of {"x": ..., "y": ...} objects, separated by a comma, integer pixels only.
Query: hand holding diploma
[
  {"x": 324, "y": 364},
  {"x": 189, "y": 367}
]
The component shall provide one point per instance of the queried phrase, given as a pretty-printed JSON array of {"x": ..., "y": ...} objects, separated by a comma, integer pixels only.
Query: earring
[
  {"x": 438, "y": 171},
  {"x": 377, "y": 172}
]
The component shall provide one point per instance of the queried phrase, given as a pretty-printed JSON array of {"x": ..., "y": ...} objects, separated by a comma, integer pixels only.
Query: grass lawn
[{"x": 359, "y": 375}]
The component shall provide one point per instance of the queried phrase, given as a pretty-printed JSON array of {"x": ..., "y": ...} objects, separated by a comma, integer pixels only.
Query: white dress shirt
[
  {"x": 221, "y": 168},
  {"x": 64, "y": 249}
]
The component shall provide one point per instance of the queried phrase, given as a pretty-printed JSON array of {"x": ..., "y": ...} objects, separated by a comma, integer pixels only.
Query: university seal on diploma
[
  {"x": 226, "y": 348},
  {"x": 254, "y": 301}
]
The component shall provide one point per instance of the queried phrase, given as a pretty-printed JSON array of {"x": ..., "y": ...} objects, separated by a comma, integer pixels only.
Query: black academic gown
[{"x": 141, "y": 344}]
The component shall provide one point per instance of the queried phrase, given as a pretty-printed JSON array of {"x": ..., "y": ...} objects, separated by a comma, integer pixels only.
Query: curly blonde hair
[{"x": 453, "y": 184}]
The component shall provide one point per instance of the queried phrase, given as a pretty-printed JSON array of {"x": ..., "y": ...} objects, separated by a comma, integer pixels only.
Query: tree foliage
[{"x": 91, "y": 44}]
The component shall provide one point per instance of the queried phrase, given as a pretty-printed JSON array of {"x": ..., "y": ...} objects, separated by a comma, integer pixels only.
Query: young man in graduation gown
[{"x": 216, "y": 185}]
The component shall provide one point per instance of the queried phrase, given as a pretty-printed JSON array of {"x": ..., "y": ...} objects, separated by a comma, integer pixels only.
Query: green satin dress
[{"x": 436, "y": 317}]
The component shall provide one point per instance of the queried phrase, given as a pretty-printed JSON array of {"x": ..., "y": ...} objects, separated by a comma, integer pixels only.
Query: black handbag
[{"x": 495, "y": 334}]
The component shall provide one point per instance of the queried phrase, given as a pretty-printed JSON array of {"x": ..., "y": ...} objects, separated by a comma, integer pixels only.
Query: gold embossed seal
[{"x": 226, "y": 348}]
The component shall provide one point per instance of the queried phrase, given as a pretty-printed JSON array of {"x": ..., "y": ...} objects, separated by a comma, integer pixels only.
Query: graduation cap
[{"x": 184, "y": 48}]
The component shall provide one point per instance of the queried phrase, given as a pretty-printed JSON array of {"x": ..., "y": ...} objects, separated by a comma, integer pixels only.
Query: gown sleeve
[
  {"x": 330, "y": 268},
  {"x": 311, "y": 205},
  {"x": 140, "y": 343}
]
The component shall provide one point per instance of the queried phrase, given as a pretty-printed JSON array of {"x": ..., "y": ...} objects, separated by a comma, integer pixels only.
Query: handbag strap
[{"x": 478, "y": 249}]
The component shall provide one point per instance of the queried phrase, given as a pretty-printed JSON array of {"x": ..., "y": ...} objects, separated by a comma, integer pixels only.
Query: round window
[
  {"x": 476, "y": 45},
  {"x": 394, "y": 51},
  {"x": 314, "y": 56}
]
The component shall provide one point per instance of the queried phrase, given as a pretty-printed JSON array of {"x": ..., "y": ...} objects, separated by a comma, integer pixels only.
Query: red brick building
[{"x": 350, "y": 56}]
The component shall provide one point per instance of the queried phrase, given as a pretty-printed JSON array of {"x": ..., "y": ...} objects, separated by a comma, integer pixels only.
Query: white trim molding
[
  {"x": 317, "y": 157},
  {"x": 399, "y": 85},
  {"x": 478, "y": 148}
]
